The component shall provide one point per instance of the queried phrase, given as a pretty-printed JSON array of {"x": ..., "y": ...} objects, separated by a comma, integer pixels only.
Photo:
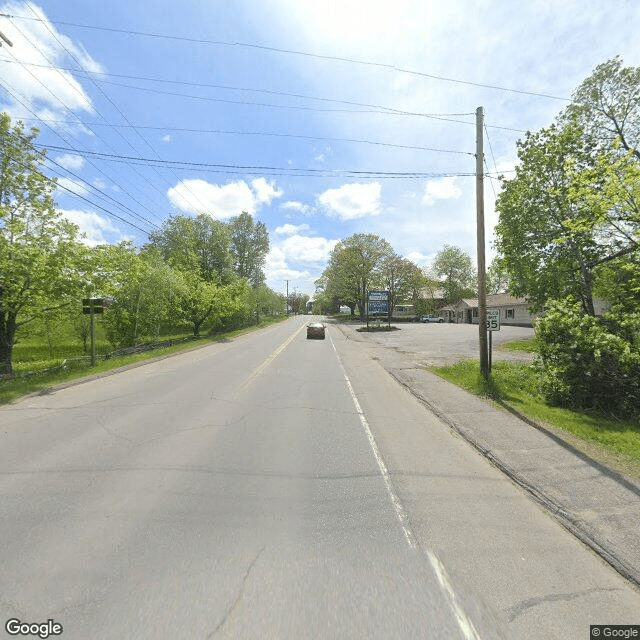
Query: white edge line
[{"x": 466, "y": 626}]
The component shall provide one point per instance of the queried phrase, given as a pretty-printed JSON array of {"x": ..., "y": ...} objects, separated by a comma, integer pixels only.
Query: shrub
[{"x": 588, "y": 362}]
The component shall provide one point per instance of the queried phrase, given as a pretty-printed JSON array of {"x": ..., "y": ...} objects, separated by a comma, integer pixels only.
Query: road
[{"x": 275, "y": 487}]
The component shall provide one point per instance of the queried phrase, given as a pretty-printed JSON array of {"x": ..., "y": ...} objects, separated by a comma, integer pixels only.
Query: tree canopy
[
  {"x": 37, "y": 245},
  {"x": 454, "y": 269}
]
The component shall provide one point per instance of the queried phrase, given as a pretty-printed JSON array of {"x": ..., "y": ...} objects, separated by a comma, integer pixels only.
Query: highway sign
[{"x": 493, "y": 319}]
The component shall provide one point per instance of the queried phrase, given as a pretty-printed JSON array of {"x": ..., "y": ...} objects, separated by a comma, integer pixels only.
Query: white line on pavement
[{"x": 464, "y": 623}]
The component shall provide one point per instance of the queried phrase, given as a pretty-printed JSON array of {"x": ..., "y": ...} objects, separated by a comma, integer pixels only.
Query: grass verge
[
  {"x": 527, "y": 345},
  {"x": 16, "y": 388},
  {"x": 615, "y": 442}
]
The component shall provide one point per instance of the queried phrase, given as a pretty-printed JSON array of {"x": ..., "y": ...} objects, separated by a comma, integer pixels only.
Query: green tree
[
  {"x": 564, "y": 214},
  {"x": 199, "y": 244},
  {"x": 354, "y": 268},
  {"x": 249, "y": 248},
  {"x": 402, "y": 279},
  {"x": 146, "y": 293},
  {"x": 607, "y": 106},
  {"x": 38, "y": 248},
  {"x": 498, "y": 280},
  {"x": 454, "y": 269}
]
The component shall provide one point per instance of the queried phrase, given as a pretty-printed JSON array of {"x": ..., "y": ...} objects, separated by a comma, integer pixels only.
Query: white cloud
[
  {"x": 93, "y": 226},
  {"x": 291, "y": 229},
  {"x": 222, "y": 201},
  {"x": 296, "y": 206},
  {"x": 166, "y": 138},
  {"x": 352, "y": 201},
  {"x": 307, "y": 250},
  {"x": 38, "y": 45},
  {"x": 71, "y": 162},
  {"x": 65, "y": 185},
  {"x": 442, "y": 189},
  {"x": 420, "y": 259},
  {"x": 277, "y": 269},
  {"x": 265, "y": 191}
]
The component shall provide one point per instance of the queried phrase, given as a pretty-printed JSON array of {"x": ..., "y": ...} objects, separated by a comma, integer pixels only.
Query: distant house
[{"x": 513, "y": 311}]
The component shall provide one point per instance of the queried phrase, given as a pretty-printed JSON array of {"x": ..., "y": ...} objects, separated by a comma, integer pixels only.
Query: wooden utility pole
[{"x": 482, "y": 289}]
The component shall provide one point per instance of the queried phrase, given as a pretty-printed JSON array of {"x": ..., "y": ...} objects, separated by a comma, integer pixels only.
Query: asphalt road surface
[{"x": 275, "y": 487}]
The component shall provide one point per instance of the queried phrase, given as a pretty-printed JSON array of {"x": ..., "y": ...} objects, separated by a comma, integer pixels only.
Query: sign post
[
  {"x": 92, "y": 306},
  {"x": 493, "y": 324},
  {"x": 377, "y": 303}
]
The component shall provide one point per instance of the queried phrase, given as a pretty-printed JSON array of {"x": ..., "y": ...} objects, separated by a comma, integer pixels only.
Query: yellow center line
[{"x": 266, "y": 362}]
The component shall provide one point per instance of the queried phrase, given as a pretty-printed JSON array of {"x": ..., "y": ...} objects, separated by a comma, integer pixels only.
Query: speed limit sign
[{"x": 493, "y": 319}]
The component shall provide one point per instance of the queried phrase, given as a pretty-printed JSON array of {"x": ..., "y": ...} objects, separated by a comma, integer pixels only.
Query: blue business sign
[{"x": 378, "y": 302}]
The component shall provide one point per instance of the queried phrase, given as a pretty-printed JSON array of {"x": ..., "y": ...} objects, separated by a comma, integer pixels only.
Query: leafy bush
[{"x": 588, "y": 362}]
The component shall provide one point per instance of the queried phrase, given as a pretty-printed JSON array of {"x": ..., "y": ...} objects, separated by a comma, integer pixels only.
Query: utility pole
[
  {"x": 482, "y": 289},
  {"x": 287, "y": 303}
]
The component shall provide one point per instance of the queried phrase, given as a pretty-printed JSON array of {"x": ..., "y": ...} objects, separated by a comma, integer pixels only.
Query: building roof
[{"x": 495, "y": 300}]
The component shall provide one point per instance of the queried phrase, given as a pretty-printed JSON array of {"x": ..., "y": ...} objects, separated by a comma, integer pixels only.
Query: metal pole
[
  {"x": 490, "y": 349},
  {"x": 93, "y": 336},
  {"x": 482, "y": 291}
]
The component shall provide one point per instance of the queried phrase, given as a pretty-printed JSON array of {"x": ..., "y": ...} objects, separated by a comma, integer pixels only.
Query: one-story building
[{"x": 513, "y": 311}]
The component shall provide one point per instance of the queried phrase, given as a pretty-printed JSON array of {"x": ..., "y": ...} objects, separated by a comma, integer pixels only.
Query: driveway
[{"x": 440, "y": 344}]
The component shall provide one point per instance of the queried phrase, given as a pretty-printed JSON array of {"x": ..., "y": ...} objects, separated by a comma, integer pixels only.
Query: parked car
[
  {"x": 431, "y": 319},
  {"x": 315, "y": 330}
]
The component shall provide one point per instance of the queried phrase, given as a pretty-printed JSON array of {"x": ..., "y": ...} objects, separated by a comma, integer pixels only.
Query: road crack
[{"x": 239, "y": 596}]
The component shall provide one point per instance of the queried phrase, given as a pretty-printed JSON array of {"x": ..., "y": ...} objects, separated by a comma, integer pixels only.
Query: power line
[
  {"x": 102, "y": 92},
  {"x": 306, "y": 54},
  {"x": 59, "y": 100},
  {"x": 182, "y": 164},
  {"x": 18, "y": 99},
  {"x": 259, "y": 133},
  {"x": 87, "y": 74}
]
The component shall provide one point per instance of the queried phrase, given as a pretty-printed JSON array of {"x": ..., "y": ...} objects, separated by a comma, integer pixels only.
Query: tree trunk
[{"x": 7, "y": 338}]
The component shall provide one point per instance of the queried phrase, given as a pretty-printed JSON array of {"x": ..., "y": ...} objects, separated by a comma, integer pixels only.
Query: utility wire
[
  {"x": 58, "y": 99},
  {"x": 87, "y": 74},
  {"x": 108, "y": 98},
  {"x": 101, "y": 194},
  {"x": 494, "y": 162},
  {"x": 17, "y": 98},
  {"x": 182, "y": 164},
  {"x": 306, "y": 54},
  {"x": 260, "y": 133}
]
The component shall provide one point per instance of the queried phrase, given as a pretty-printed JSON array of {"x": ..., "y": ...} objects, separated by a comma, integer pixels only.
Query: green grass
[
  {"x": 516, "y": 384},
  {"x": 17, "y": 387},
  {"x": 528, "y": 345}
]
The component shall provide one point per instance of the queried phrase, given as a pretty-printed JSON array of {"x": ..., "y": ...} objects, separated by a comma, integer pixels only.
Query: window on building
[
  {"x": 510, "y": 314},
  {"x": 475, "y": 312}
]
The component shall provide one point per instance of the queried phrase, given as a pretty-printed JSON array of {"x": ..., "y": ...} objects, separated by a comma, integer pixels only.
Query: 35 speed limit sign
[{"x": 493, "y": 319}]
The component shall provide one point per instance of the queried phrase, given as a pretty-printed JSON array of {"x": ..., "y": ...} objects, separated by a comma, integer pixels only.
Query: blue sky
[{"x": 307, "y": 114}]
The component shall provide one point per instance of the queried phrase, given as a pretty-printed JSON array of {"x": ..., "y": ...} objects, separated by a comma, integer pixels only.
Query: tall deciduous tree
[
  {"x": 607, "y": 106},
  {"x": 354, "y": 268},
  {"x": 454, "y": 269},
  {"x": 37, "y": 246},
  {"x": 199, "y": 244},
  {"x": 564, "y": 214},
  {"x": 402, "y": 279},
  {"x": 249, "y": 247}
]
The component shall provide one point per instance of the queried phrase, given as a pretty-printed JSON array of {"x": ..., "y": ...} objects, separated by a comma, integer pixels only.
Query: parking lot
[{"x": 433, "y": 344}]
